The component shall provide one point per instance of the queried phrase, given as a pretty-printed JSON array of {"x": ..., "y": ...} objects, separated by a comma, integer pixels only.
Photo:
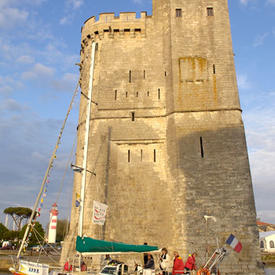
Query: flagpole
[{"x": 86, "y": 142}]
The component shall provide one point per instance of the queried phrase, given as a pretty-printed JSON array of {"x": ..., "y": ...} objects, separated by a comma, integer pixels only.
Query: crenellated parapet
[{"x": 110, "y": 26}]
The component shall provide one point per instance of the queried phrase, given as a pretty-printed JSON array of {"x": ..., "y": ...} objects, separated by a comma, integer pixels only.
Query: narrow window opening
[
  {"x": 141, "y": 155},
  {"x": 262, "y": 244},
  {"x": 214, "y": 69},
  {"x": 96, "y": 32},
  {"x": 144, "y": 74},
  {"x": 126, "y": 94},
  {"x": 126, "y": 30},
  {"x": 133, "y": 116},
  {"x": 129, "y": 156},
  {"x": 130, "y": 76},
  {"x": 106, "y": 30},
  {"x": 201, "y": 145},
  {"x": 148, "y": 93},
  {"x": 178, "y": 13},
  {"x": 116, "y": 30},
  {"x": 136, "y": 94},
  {"x": 137, "y": 30},
  {"x": 158, "y": 93},
  {"x": 115, "y": 94},
  {"x": 210, "y": 11},
  {"x": 165, "y": 73},
  {"x": 271, "y": 244},
  {"x": 155, "y": 155}
]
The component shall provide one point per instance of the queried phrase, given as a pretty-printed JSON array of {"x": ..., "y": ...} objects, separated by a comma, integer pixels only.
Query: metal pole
[{"x": 86, "y": 142}]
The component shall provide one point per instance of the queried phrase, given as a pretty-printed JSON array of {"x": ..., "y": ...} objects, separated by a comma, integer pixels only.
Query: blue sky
[{"x": 39, "y": 46}]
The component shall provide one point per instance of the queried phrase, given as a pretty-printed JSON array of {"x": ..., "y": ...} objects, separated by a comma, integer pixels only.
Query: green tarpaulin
[{"x": 92, "y": 245}]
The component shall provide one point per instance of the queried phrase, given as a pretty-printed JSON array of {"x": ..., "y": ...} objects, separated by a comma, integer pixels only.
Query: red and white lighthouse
[{"x": 53, "y": 224}]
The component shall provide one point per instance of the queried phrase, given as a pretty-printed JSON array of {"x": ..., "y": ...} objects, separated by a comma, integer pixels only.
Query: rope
[{"x": 66, "y": 170}]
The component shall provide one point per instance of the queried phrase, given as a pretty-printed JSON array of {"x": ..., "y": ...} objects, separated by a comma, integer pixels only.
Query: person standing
[
  {"x": 149, "y": 266},
  {"x": 83, "y": 266},
  {"x": 178, "y": 266},
  {"x": 191, "y": 262},
  {"x": 164, "y": 261}
]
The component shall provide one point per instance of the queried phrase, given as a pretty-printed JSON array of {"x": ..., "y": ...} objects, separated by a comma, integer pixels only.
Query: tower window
[
  {"x": 158, "y": 93},
  {"x": 133, "y": 116},
  {"x": 155, "y": 155},
  {"x": 126, "y": 94},
  {"x": 178, "y": 13},
  {"x": 141, "y": 155},
  {"x": 129, "y": 156},
  {"x": 271, "y": 244},
  {"x": 130, "y": 76},
  {"x": 210, "y": 11},
  {"x": 144, "y": 74},
  {"x": 201, "y": 145},
  {"x": 148, "y": 93},
  {"x": 115, "y": 94},
  {"x": 136, "y": 94},
  {"x": 214, "y": 69}
]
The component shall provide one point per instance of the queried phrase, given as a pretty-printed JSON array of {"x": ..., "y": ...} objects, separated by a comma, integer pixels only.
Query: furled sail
[{"x": 85, "y": 244}]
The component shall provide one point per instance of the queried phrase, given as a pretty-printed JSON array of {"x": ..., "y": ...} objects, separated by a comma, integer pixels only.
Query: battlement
[{"x": 108, "y": 24}]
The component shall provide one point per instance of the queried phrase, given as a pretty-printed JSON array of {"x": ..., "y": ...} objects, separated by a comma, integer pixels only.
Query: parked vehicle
[{"x": 114, "y": 268}]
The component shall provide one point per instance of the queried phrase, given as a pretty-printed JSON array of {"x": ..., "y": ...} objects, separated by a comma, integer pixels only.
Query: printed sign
[
  {"x": 33, "y": 268},
  {"x": 99, "y": 213}
]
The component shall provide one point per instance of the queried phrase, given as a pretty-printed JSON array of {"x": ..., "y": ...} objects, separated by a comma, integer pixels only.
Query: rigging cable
[{"x": 47, "y": 172}]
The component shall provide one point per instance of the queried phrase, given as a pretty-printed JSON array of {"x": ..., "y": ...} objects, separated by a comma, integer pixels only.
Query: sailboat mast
[
  {"x": 46, "y": 174},
  {"x": 86, "y": 142}
]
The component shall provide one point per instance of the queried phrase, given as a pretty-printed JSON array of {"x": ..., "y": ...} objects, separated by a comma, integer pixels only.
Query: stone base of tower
[{"x": 68, "y": 249}]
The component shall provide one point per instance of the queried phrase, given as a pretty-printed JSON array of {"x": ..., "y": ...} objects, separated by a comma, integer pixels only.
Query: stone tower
[{"x": 166, "y": 139}]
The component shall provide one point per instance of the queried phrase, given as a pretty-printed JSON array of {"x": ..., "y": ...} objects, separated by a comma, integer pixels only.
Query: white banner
[
  {"x": 33, "y": 268},
  {"x": 99, "y": 212}
]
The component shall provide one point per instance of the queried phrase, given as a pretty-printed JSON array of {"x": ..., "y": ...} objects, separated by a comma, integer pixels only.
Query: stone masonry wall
[{"x": 166, "y": 139}]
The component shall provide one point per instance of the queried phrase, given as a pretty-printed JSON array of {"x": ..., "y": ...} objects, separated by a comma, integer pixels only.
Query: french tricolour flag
[{"x": 234, "y": 243}]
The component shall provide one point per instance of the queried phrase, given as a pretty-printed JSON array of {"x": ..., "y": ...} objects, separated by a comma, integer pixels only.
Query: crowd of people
[
  {"x": 167, "y": 266},
  {"x": 170, "y": 266}
]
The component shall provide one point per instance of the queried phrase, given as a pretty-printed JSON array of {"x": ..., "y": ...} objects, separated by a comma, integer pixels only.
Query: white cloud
[
  {"x": 243, "y": 82},
  {"x": 272, "y": 2},
  {"x": 260, "y": 133},
  {"x": 29, "y": 156},
  {"x": 10, "y": 104},
  {"x": 5, "y": 90},
  {"x": 244, "y": 2},
  {"x": 70, "y": 7},
  {"x": 66, "y": 83},
  {"x": 76, "y": 3},
  {"x": 11, "y": 17},
  {"x": 8, "y": 85},
  {"x": 12, "y": 3},
  {"x": 38, "y": 71},
  {"x": 64, "y": 20},
  {"x": 259, "y": 40},
  {"x": 25, "y": 59}
]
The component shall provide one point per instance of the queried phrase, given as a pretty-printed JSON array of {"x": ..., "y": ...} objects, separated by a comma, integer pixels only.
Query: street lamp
[{"x": 79, "y": 169}]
